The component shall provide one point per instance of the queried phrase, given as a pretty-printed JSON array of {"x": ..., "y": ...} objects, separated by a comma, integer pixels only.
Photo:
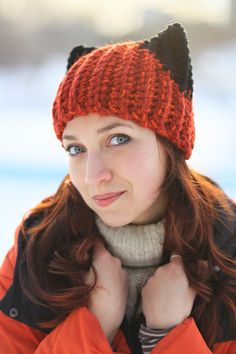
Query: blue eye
[
  {"x": 121, "y": 139},
  {"x": 73, "y": 150}
]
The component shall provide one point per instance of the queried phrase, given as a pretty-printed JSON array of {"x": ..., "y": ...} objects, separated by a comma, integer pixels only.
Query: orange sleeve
[
  {"x": 186, "y": 338},
  {"x": 80, "y": 332},
  {"x": 225, "y": 348}
]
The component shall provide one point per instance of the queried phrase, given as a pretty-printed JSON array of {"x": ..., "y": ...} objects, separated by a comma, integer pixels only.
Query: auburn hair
[{"x": 60, "y": 245}]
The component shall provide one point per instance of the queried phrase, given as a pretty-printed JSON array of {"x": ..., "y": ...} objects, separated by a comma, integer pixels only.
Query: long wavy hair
[{"x": 61, "y": 244}]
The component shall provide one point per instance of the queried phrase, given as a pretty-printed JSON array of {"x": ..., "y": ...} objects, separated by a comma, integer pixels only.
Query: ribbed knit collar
[{"x": 135, "y": 245}]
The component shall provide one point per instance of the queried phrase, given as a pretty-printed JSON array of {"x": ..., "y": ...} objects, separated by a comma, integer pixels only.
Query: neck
[
  {"x": 154, "y": 214},
  {"x": 135, "y": 245}
]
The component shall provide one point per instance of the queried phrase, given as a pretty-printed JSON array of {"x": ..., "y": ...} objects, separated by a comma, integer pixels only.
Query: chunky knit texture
[
  {"x": 148, "y": 82},
  {"x": 139, "y": 249}
]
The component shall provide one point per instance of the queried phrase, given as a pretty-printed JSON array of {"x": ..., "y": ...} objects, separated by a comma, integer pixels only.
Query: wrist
[
  {"x": 156, "y": 326},
  {"x": 165, "y": 324}
]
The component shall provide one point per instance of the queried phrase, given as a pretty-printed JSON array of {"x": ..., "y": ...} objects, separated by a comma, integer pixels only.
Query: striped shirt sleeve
[{"x": 149, "y": 337}]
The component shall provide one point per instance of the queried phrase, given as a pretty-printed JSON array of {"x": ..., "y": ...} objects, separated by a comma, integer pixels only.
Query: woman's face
[{"x": 112, "y": 155}]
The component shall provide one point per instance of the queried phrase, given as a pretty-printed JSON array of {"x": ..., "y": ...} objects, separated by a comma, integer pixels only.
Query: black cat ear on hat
[
  {"x": 76, "y": 53},
  {"x": 171, "y": 49}
]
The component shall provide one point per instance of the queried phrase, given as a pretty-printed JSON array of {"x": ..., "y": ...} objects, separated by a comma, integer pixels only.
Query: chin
[{"x": 115, "y": 222}]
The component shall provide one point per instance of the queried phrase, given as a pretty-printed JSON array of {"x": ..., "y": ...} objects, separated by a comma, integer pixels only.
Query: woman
[{"x": 135, "y": 252}]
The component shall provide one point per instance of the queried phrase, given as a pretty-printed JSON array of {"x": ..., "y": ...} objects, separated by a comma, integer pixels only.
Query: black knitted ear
[
  {"x": 76, "y": 53},
  {"x": 171, "y": 49}
]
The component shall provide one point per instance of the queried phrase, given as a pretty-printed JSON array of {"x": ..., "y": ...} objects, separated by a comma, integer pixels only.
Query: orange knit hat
[{"x": 148, "y": 82}]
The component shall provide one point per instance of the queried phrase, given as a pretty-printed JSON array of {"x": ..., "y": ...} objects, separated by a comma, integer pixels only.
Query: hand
[
  {"x": 167, "y": 298},
  {"x": 108, "y": 299}
]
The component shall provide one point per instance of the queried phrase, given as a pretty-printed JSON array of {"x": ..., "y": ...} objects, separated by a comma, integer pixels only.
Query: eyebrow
[{"x": 99, "y": 131}]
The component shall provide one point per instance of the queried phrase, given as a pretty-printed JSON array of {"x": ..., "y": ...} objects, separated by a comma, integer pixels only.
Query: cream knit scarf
[{"x": 139, "y": 248}]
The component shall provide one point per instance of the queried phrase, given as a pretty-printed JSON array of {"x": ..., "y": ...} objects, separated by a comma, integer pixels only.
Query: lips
[
  {"x": 102, "y": 202},
  {"x": 106, "y": 195}
]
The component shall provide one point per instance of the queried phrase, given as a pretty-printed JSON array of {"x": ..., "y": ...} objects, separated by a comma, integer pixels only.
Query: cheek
[
  {"x": 148, "y": 171},
  {"x": 75, "y": 175}
]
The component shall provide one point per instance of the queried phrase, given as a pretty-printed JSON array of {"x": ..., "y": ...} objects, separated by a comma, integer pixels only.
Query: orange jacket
[{"x": 81, "y": 332}]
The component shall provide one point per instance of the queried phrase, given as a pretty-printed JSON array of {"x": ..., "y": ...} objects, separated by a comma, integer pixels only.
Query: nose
[{"x": 96, "y": 170}]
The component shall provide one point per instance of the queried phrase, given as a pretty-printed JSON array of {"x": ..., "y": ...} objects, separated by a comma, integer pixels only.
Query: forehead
[{"x": 97, "y": 123}]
